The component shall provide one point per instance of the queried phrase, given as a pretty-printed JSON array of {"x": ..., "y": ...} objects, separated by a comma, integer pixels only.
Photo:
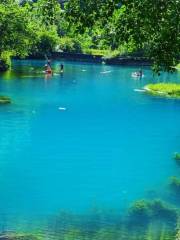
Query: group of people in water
[{"x": 48, "y": 68}]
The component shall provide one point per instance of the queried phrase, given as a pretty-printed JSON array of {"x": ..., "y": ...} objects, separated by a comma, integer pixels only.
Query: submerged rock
[{"x": 4, "y": 100}]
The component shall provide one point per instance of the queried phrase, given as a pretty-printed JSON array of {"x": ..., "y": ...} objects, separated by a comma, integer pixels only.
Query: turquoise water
[{"x": 83, "y": 139}]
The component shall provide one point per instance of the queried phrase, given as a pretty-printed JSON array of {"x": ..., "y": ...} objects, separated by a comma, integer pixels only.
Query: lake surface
[{"x": 82, "y": 139}]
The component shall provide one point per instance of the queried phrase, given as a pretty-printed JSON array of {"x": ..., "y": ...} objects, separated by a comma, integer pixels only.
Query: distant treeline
[{"x": 107, "y": 28}]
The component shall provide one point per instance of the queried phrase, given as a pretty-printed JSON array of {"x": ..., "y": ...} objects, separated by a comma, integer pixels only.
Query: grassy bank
[{"x": 164, "y": 89}]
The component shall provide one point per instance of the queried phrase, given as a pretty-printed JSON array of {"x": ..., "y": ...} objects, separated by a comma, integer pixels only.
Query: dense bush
[
  {"x": 67, "y": 44},
  {"x": 47, "y": 42}
]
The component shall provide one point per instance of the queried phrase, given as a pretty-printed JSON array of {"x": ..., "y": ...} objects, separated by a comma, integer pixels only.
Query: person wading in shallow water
[{"x": 48, "y": 69}]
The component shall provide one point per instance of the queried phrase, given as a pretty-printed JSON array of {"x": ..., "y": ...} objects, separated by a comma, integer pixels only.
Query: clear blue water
[{"x": 109, "y": 146}]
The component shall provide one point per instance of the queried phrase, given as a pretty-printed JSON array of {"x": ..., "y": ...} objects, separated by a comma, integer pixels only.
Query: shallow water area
[{"x": 82, "y": 139}]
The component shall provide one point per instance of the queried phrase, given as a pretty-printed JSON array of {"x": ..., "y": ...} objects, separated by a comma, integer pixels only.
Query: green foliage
[
  {"x": 164, "y": 89},
  {"x": 47, "y": 11},
  {"x": 16, "y": 29},
  {"x": 67, "y": 44},
  {"x": 149, "y": 25},
  {"x": 96, "y": 52},
  {"x": 87, "y": 13},
  {"x": 155, "y": 29},
  {"x": 6, "y": 57},
  {"x": 47, "y": 41},
  {"x": 107, "y": 28},
  {"x": 27, "y": 29}
]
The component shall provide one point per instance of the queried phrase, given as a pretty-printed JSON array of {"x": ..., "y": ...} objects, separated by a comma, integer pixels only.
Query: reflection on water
[{"x": 84, "y": 140}]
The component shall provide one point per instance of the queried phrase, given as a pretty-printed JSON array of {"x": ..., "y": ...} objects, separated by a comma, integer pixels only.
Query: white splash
[
  {"x": 139, "y": 90},
  {"x": 62, "y": 109},
  {"x": 105, "y": 72}
]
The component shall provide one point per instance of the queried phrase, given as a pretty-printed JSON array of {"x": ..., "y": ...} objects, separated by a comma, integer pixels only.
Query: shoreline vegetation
[
  {"x": 97, "y": 58},
  {"x": 168, "y": 90},
  {"x": 44, "y": 27}
]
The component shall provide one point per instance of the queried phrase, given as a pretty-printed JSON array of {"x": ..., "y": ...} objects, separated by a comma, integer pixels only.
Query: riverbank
[
  {"x": 123, "y": 61},
  {"x": 171, "y": 90}
]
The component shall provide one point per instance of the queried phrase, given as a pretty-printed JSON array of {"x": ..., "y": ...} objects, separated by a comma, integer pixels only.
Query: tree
[
  {"x": 17, "y": 31},
  {"x": 47, "y": 41},
  {"x": 48, "y": 11},
  {"x": 153, "y": 26}
]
